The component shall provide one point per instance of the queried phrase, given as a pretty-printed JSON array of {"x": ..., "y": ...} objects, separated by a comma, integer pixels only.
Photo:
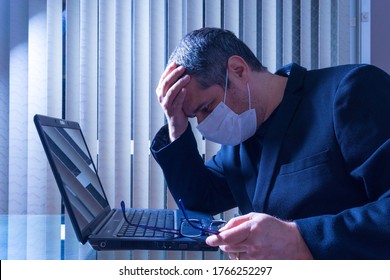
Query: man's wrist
[
  {"x": 302, "y": 251},
  {"x": 175, "y": 133}
]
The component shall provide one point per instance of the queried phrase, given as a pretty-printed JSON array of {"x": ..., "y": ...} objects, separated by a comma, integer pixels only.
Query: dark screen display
[{"x": 79, "y": 179}]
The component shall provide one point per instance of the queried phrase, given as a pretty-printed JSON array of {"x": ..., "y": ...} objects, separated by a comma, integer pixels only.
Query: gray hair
[{"x": 205, "y": 52}]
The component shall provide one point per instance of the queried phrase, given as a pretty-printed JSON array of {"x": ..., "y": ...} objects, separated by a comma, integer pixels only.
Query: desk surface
[
  {"x": 40, "y": 237},
  {"x": 51, "y": 237}
]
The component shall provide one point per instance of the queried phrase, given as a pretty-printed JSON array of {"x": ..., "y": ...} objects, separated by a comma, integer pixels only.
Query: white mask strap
[
  {"x": 249, "y": 95},
  {"x": 226, "y": 85}
]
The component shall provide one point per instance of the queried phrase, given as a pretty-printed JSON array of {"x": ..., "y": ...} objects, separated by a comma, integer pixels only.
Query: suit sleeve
[
  {"x": 202, "y": 187},
  {"x": 362, "y": 128}
]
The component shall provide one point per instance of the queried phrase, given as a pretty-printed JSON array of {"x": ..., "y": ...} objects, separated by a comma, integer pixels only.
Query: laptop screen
[{"x": 79, "y": 183}]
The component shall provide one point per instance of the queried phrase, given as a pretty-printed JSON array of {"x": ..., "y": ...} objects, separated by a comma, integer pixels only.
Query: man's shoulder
[
  {"x": 294, "y": 70},
  {"x": 346, "y": 69}
]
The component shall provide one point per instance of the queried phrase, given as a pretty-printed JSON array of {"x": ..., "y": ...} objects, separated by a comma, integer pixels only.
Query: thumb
[{"x": 236, "y": 221}]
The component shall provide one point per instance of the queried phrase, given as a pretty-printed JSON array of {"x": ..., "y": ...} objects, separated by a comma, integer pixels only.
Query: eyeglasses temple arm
[{"x": 124, "y": 211}]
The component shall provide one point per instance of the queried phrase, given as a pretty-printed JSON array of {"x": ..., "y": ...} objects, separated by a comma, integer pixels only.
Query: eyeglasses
[
  {"x": 195, "y": 227},
  {"x": 188, "y": 227}
]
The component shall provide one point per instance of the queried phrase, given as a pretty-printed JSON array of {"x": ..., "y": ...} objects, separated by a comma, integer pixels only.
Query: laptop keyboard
[{"x": 151, "y": 218}]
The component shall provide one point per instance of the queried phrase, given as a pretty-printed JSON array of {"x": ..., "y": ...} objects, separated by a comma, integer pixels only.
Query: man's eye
[{"x": 206, "y": 108}]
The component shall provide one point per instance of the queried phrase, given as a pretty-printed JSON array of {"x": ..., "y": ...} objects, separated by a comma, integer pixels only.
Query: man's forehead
[
  {"x": 195, "y": 95},
  {"x": 193, "y": 90},
  {"x": 189, "y": 103}
]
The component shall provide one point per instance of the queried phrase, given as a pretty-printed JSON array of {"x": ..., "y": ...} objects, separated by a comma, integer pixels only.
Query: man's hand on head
[{"x": 171, "y": 94}]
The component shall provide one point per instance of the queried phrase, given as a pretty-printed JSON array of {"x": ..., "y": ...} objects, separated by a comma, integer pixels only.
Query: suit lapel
[
  {"x": 238, "y": 162},
  {"x": 274, "y": 137}
]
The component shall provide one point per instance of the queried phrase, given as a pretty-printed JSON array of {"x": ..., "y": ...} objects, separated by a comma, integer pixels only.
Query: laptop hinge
[{"x": 103, "y": 222}]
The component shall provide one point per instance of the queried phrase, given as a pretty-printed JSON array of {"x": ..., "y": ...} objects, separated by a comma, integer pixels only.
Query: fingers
[
  {"x": 230, "y": 236},
  {"x": 261, "y": 236},
  {"x": 171, "y": 82},
  {"x": 239, "y": 255},
  {"x": 237, "y": 221},
  {"x": 235, "y": 237},
  {"x": 175, "y": 95},
  {"x": 171, "y": 66},
  {"x": 234, "y": 232},
  {"x": 171, "y": 89},
  {"x": 234, "y": 256}
]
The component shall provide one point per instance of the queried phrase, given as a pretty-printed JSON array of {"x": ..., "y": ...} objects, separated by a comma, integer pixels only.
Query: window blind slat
[
  {"x": 18, "y": 101},
  {"x": 54, "y": 90},
  {"x": 175, "y": 24},
  {"x": 344, "y": 44},
  {"x": 106, "y": 102},
  {"x": 123, "y": 101},
  {"x": 141, "y": 89},
  {"x": 231, "y": 15},
  {"x": 157, "y": 65},
  {"x": 37, "y": 103},
  {"x": 213, "y": 13},
  {"x": 287, "y": 32},
  {"x": 17, "y": 239},
  {"x": 4, "y": 104},
  {"x": 250, "y": 24},
  {"x": 72, "y": 60},
  {"x": 305, "y": 34},
  {"x": 54, "y": 58},
  {"x": 325, "y": 37},
  {"x": 194, "y": 14},
  {"x": 269, "y": 35},
  {"x": 88, "y": 72}
]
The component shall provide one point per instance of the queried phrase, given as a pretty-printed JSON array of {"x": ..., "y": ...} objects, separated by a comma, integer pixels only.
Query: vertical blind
[{"x": 98, "y": 62}]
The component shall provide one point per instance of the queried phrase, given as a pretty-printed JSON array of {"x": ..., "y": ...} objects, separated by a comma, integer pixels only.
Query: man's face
[{"x": 201, "y": 102}]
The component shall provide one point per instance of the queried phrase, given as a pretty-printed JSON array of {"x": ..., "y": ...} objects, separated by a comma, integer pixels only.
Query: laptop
[{"x": 92, "y": 218}]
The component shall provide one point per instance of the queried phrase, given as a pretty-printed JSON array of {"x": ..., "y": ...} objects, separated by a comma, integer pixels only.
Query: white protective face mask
[{"x": 225, "y": 127}]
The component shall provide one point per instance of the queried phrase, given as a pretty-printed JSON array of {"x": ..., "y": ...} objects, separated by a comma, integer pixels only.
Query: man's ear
[{"x": 238, "y": 69}]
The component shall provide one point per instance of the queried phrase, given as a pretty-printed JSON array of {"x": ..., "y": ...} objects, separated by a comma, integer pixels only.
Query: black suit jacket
[{"x": 322, "y": 159}]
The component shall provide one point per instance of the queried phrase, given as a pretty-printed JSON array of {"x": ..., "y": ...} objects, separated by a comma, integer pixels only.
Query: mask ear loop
[
  {"x": 249, "y": 96},
  {"x": 226, "y": 84}
]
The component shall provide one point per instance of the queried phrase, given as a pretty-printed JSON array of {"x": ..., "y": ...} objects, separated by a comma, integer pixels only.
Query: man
[{"x": 305, "y": 155}]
